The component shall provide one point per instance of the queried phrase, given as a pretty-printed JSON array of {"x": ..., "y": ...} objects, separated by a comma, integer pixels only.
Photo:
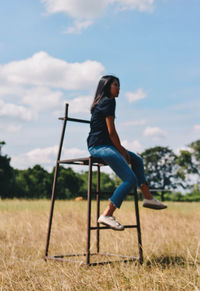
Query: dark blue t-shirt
[{"x": 98, "y": 129}]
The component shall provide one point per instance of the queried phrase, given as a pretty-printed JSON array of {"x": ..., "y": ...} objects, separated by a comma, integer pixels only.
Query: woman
[{"x": 103, "y": 142}]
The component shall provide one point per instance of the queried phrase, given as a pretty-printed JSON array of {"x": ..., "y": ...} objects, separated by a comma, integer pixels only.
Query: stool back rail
[{"x": 88, "y": 161}]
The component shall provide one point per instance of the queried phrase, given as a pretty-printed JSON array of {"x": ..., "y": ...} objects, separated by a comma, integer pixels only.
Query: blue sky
[{"x": 55, "y": 51}]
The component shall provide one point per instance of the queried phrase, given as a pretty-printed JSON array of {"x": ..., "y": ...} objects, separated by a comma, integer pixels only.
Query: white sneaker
[
  {"x": 111, "y": 222},
  {"x": 153, "y": 204}
]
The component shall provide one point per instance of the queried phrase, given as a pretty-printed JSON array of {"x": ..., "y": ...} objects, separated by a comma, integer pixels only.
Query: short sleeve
[{"x": 108, "y": 107}]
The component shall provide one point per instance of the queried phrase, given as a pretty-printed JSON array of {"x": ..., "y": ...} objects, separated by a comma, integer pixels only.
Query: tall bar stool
[{"x": 90, "y": 162}]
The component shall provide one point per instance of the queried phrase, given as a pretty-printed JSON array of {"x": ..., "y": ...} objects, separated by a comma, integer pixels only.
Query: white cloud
[
  {"x": 41, "y": 98},
  {"x": 8, "y": 89},
  {"x": 135, "y": 96},
  {"x": 15, "y": 111},
  {"x": 141, "y": 5},
  {"x": 78, "y": 26},
  {"x": 32, "y": 101},
  {"x": 78, "y": 9},
  {"x": 43, "y": 70},
  {"x": 134, "y": 145},
  {"x": 74, "y": 153},
  {"x": 40, "y": 82},
  {"x": 197, "y": 127},
  {"x": 10, "y": 127},
  {"x": 134, "y": 122},
  {"x": 85, "y": 12},
  {"x": 154, "y": 132},
  {"x": 36, "y": 156},
  {"x": 80, "y": 104},
  {"x": 45, "y": 157}
]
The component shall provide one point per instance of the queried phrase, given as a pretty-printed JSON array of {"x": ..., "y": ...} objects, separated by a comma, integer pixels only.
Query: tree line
[{"x": 165, "y": 171}]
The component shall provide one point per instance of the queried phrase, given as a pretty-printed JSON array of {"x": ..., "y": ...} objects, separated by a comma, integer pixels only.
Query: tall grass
[{"x": 171, "y": 242}]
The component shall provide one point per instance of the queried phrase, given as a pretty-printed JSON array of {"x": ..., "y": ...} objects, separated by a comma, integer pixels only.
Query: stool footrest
[{"x": 108, "y": 227}]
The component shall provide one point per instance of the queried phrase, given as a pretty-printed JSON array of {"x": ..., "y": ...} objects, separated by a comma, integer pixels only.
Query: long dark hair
[{"x": 103, "y": 89}]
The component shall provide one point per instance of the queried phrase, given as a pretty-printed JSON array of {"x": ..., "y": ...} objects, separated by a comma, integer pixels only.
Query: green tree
[
  {"x": 160, "y": 168},
  {"x": 21, "y": 189},
  {"x": 32, "y": 183},
  {"x": 195, "y": 146},
  {"x": 68, "y": 183},
  {"x": 186, "y": 169},
  {"x": 6, "y": 175},
  {"x": 2, "y": 143},
  {"x": 107, "y": 184}
]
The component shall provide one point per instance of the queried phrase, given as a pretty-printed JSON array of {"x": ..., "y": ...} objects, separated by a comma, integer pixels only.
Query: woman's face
[{"x": 114, "y": 89}]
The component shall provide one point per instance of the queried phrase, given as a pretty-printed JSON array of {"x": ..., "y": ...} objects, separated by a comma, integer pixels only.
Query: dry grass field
[{"x": 171, "y": 244}]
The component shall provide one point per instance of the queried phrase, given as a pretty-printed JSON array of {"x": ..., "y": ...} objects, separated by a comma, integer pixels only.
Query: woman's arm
[{"x": 115, "y": 138}]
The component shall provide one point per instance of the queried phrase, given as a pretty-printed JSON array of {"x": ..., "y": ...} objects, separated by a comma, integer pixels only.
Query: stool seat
[{"x": 84, "y": 161}]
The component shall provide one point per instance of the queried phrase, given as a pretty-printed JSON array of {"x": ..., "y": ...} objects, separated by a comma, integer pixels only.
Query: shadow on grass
[{"x": 166, "y": 261}]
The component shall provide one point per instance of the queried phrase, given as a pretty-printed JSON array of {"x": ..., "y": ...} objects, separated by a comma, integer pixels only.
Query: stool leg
[
  {"x": 98, "y": 205},
  {"x": 55, "y": 180},
  {"x": 138, "y": 226},
  {"x": 89, "y": 211},
  {"x": 51, "y": 210}
]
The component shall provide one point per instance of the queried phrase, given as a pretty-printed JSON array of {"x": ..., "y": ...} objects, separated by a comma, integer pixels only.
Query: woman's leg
[
  {"x": 138, "y": 168},
  {"x": 109, "y": 209},
  {"x": 146, "y": 191},
  {"x": 119, "y": 165},
  {"x": 115, "y": 160}
]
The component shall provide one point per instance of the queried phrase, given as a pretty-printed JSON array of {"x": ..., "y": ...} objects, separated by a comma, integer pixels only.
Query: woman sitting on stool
[{"x": 103, "y": 142}]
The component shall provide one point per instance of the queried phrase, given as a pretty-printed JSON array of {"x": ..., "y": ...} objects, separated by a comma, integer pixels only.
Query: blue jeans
[{"x": 130, "y": 178}]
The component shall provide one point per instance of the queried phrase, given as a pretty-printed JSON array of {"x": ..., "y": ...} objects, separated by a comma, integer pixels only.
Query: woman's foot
[
  {"x": 111, "y": 222},
  {"x": 153, "y": 204}
]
